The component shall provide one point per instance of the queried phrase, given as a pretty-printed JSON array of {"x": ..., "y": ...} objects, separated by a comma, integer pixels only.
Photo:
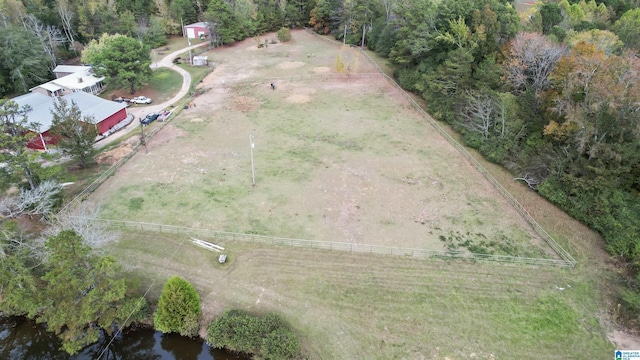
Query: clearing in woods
[{"x": 342, "y": 158}]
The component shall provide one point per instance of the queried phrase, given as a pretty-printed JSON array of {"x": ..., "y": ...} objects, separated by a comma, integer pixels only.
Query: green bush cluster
[
  {"x": 284, "y": 34},
  {"x": 266, "y": 337}
]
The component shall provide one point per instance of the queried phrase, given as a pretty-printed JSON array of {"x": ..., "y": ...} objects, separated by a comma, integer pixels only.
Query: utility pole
[{"x": 253, "y": 172}]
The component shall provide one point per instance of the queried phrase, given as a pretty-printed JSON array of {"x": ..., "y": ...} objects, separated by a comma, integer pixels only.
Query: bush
[
  {"x": 178, "y": 308},
  {"x": 284, "y": 34},
  {"x": 266, "y": 337}
]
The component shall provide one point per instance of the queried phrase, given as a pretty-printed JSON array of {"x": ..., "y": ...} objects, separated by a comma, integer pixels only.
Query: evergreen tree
[
  {"x": 82, "y": 293},
  {"x": 178, "y": 308}
]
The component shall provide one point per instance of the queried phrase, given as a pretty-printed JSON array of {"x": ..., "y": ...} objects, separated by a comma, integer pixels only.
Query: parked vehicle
[
  {"x": 141, "y": 100},
  {"x": 123, "y": 101},
  {"x": 149, "y": 118}
]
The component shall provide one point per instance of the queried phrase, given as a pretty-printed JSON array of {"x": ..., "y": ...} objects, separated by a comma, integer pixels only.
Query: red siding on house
[
  {"x": 36, "y": 141},
  {"x": 103, "y": 126},
  {"x": 109, "y": 122}
]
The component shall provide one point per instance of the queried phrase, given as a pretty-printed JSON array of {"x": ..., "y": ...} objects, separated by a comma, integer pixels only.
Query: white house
[{"x": 71, "y": 79}]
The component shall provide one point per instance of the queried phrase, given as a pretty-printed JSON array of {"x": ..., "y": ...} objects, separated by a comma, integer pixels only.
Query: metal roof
[
  {"x": 90, "y": 105},
  {"x": 71, "y": 68},
  {"x": 51, "y": 86},
  {"x": 76, "y": 81},
  {"x": 198, "y": 24}
]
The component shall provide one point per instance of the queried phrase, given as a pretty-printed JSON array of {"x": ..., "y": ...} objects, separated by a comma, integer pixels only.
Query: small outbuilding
[
  {"x": 197, "y": 30},
  {"x": 200, "y": 61}
]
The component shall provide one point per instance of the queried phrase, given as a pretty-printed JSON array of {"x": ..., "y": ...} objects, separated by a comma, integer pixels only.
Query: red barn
[
  {"x": 196, "y": 31},
  {"x": 105, "y": 114}
]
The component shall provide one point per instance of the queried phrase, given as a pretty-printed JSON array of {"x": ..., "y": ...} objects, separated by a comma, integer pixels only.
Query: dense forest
[{"x": 553, "y": 94}]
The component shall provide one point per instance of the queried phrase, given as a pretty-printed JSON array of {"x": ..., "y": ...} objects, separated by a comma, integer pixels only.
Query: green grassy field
[
  {"x": 346, "y": 306},
  {"x": 347, "y": 160}
]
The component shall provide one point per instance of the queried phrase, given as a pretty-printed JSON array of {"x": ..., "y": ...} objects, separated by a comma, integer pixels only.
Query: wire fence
[
  {"x": 472, "y": 160},
  {"x": 221, "y": 236}
]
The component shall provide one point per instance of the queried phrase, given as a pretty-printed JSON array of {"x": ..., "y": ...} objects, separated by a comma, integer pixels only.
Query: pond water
[{"x": 21, "y": 338}]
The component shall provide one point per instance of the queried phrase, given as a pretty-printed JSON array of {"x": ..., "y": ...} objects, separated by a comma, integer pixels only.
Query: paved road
[{"x": 139, "y": 111}]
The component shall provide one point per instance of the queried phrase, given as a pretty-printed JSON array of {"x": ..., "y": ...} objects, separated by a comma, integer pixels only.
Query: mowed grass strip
[{"x": 347, "y": 306}]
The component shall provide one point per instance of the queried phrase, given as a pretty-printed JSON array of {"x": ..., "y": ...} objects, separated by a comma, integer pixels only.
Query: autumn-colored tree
[
  {"x": 595, "y": 96},
  {"x": 320, "y": 16},
  {"x": 604, "y": 40},
  {"x": 348, "y": 60}
]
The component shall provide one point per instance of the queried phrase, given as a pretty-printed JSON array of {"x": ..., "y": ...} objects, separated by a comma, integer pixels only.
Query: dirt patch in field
[
  {"x": 113, "y": 156},
  {"x": 167, "y": 133},
  {"x": 321, "y": 70},
  {"x": 298, "y": 99},
  {"x": 624, "y": 340},
  {"x": 290, "y": 65},
  {"x": 245, "y": 104}
]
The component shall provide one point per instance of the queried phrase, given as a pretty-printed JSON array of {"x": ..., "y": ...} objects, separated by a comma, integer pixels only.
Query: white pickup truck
[{"x": 141, "y": 100}]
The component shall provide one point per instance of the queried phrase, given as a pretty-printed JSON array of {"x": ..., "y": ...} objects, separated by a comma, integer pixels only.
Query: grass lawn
[
  {"x": 347, "y": 159},
  {"x": 163, "y": 85},
  {"x": 197, "y": 72}
]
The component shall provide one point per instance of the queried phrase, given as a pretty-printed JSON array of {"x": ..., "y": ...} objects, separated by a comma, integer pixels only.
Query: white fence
[{"x": 221, "y": 236}]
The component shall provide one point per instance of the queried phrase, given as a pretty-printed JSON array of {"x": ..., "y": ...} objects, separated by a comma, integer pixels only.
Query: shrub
[
  {"x": 284, "y": 34},
  {"x": 266, "y": 337},
  {"x": 178, "y": 308}
]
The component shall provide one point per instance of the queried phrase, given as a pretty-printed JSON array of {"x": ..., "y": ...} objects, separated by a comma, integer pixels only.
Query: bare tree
[
  {"x": 85, "y": 221},
  {"x": 388, "y": 7},
  {"x": 531, "y": 180},
  {"x": 50, "y": 36},
  {"x": 479, "y": 113},
  {"x": 530, "y": 60},
  {"x": 65, "y": 10},
  {"x": 40, "y": 200}
]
